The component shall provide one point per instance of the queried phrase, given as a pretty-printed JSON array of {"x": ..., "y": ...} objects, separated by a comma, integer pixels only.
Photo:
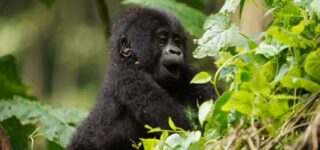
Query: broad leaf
[
  {"x": 55, "y": 124},
  {"x": 200, "y": 78},
  {"x": 191, "y": 19},
  {"x": 240, "y": 101},
  {"x": 267, "y": 50},
  {"x": 204, "y": 110},
  {"x": 312, "y": 65},
  {"x": 220, "y": 33},
  {"x": 10, "y": 81},
  {"x": 296, "y": 82}
]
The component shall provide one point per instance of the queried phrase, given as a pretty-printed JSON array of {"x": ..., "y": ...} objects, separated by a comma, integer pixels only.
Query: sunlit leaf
[
  {"x": 288, "y": 38},
  {"x": 277, "y": 108},
  {"x": 220, "y": 33},
  {"x": 240, "y": 101},
  {"x": 204, "y": 110},
  {"x": 56, "y": 124},
  {"x": 296, "y": 82},
  {"x": 171, "y": 124},
  {"x": 200, "y": 78},
  {"x": 177, "y": 141},
  {"x": 312, "y": 65},
  {"x": 149, "y": 144},
  {"x": 298, "y": 28}
]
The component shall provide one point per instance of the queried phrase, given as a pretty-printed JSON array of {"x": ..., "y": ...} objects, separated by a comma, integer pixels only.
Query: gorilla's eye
[
  {"x": 178, "y": 41},
  {"x": 163, "y": 39}
]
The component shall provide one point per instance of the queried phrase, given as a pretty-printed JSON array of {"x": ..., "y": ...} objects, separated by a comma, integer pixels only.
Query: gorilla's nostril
[{"x": 177, "y": 52}]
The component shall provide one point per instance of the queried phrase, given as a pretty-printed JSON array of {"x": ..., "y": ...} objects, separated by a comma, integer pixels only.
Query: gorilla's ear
[{"x": 125, "y": 47}]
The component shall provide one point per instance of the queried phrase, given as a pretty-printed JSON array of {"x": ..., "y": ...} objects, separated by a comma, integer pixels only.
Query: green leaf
[
  {"x": 191, "y": 19},
  {"x": 240, "y": 101},
  {"x": 296, "y": 82},
  {"x": 157, "y": 129},
  {"x": 312, "y": 65},
  {"x": 259, "y": 83},
  {"x": 56, "y": 124},
  {"x": 277, "y": 108},
  {"x": 10, "y": 82},
  {"x": 149, "y": 144},
  {"x": 298, "y": 28},
  {"x": 283, "y": 70},
  {"x": 18, "y": 134},
  {"x": 171, "y": 124},
  {"x": 241, "y": 7},
  {"x": 177, "y": 141},
  {"x": 288, "y": 38},
  {"x": 218, "y": 122},
  {"x": 204, "y": 110},
  {"x": 200, "y": 78},
  {"x": 267, "y": 50},
  {"x": 220, "y": 32}
]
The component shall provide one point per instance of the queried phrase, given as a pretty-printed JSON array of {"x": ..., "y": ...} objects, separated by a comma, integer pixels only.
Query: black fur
[{"x": 132, "y": 95}]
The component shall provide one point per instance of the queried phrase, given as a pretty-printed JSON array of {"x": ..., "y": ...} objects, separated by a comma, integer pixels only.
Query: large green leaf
[
  {"x": 191, "y": 19},
  {"x": 10, "y": 81},
  {"x": 312, "y": 64},
  {"x": 241, "y": 101},
  {"x": 296, "y": 82},
  {"x": 220, "y": 32},
  {"x": 56, "y": 124}
]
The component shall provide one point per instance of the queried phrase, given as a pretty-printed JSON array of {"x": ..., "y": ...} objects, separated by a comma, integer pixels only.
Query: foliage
[
  {"x": 272, "y": 100},
  {"x": 192, "y": 23},
  {"x": 11, "y": 83},
  {"x": 25, "y": 118}
]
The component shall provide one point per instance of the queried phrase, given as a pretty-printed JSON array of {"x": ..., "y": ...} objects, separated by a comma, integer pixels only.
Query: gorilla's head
[{"x": 149, "y": 40}]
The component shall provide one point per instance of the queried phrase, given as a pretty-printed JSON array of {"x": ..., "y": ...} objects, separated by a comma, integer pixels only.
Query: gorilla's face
[
  {"x": 171, "y": 58},
  {"x": 154, "y": 44}
]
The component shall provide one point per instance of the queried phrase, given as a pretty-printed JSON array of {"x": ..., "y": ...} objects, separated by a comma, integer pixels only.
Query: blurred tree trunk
[
  {"x": 4, "y": 142},
  {"x": 109, "y": 11},
  {"x": 35, "y": 59},
  {"x": 252, "y": 20}
]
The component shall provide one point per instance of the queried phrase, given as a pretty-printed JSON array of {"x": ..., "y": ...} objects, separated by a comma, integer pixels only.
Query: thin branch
[{"x": 104, "y": 15}]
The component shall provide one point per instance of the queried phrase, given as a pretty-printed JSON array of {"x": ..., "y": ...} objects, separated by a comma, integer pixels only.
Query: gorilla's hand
[
  {"x": 148, "y": 102},
  {"x": 196, "y": 92}
]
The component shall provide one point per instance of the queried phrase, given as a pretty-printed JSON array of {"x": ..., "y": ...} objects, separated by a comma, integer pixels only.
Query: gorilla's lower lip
[{"x": 173, "y": 70}]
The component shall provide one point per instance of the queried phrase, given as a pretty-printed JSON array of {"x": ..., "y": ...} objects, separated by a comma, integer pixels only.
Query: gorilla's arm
[{"x": 148, "y": 102}]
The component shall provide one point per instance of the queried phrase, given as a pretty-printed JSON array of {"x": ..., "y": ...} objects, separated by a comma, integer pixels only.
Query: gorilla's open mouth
[{"x": 173, "y": 70}]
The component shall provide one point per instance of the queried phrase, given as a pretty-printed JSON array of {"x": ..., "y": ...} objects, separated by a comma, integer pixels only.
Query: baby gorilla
[{"x": 147, "y": 82}]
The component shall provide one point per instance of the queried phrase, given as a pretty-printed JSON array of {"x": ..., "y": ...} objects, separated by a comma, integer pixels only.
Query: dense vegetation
[{"x": 272, "y": 79}]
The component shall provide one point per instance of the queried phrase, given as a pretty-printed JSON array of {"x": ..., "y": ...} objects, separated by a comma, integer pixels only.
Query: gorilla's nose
[{"x": 175, "y": 51}]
